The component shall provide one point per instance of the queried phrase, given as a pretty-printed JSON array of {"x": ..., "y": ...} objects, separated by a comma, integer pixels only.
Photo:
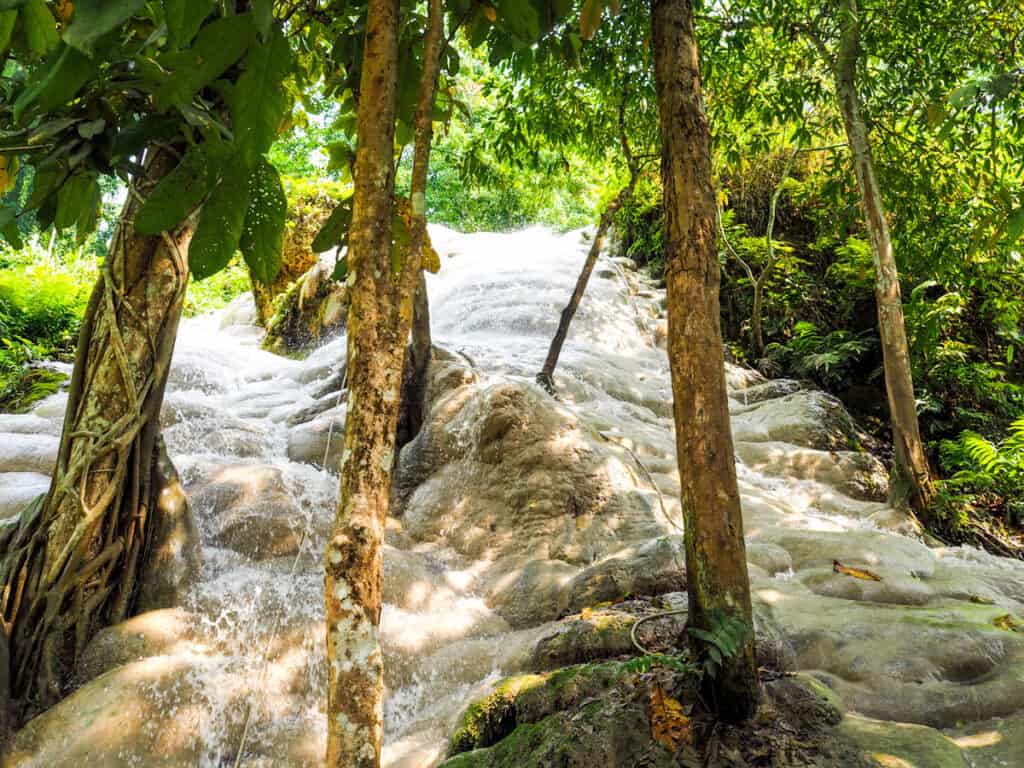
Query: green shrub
[{"x": 982, "y": 472}]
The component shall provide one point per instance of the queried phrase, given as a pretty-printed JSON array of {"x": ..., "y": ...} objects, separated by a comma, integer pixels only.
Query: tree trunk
[
  {"x": 716, "y": 564},
  {"x": 379, "y": 319},
  {"x": 912, "y": 474},
  {"x": 418, "y": 357},
  {"x": 546, "y": 376},
  {"x": 73, "y": 561}
]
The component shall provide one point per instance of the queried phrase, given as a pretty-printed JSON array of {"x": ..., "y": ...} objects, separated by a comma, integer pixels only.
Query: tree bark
[
  {"x": 379, "y": 320},
  {"x": 913, "y": 477},
  {"x": 716, "y": 564},
  {"x": 418, "y": 358},
  {"x": 73, "y": 561}
]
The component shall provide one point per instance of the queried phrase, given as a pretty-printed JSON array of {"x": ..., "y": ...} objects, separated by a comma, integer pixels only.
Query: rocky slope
[{"x": 515, "y": 514}]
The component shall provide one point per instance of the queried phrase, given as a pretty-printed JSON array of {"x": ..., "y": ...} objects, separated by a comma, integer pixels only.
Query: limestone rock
[
  {"x": 22, "y": 452},
  {"x": 153, "y": 633}
]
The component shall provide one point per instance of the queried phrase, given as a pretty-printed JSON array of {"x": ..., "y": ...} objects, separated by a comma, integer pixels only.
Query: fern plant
[
  {"x": 980, "y": 466},
  {"x": 825, "y": 358}
]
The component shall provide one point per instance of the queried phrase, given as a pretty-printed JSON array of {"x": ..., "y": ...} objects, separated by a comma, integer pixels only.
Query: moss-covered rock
[{"x": 311, "y": 310}]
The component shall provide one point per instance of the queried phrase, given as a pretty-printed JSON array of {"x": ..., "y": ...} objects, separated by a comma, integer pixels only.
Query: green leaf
[
  {"x": 263, "y": 17},
  {"x": 259, "y": 102},
  {"x": 49, "y": 175},
  {"x": 94, "y": 18},
  {"x": 1015, "y": 225},
  {"x": 218, "y": 46},
  {"x": 263, "y": 235},
  {"x": 11, "y": 5},
  {"x": 220, "y": 223},
  {"x": 334, "y": 231},
  {"x": 55, "y": 82},
  {"x": 78, "y": 203},
  {"x": 590, "y": 18},
  {"x": 134, "y": 136},
  {"x": 184, "y": 17},
  {"x": 9, "y": 226},
  {"x": 40, "y": 27},
  {"x": 7, "y": 20},
  {"x": 175, "y": 195}
]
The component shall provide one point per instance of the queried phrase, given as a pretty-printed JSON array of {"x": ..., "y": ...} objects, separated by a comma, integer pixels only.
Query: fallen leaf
[
  {"x": 857, "y": 573},
  {"x": 1007, "y": 622},
  {"x": 670, "y": 726},
  {"x": 982, "y": 600},
  {"x": 490, "y": 13}
]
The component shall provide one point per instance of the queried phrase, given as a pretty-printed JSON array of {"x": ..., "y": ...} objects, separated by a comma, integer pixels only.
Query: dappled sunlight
[{"x": 978, "y": 740}]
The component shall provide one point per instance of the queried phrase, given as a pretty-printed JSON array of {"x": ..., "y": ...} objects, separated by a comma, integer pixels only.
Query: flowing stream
[{"x": 474, "y": 576}]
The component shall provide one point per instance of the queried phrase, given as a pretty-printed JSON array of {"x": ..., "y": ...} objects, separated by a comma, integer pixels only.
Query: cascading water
[{"x": 472, "y": 579}]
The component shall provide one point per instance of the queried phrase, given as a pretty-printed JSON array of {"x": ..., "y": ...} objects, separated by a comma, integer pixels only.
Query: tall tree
[
  {"x": 113, "y": 80},
  {"x": 379, "y": 318},
  {"x": 716, "y": 564},
  {"x": 912, "y": 469}
]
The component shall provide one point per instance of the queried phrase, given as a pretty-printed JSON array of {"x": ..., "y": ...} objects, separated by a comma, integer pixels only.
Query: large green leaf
[
  {"x": 78, "y": 202},
  {"x": 11, "y": 5},
  {"x": 221, "y": 222},
  {"x": 55, "y": 82},
  {"x": 259, "y": 102},
  {"x": 133, "y": 137},
  {"x": 184, "y": 17},
  {"x": 218, "y": 46},
  {"x": 334, "y": 232},
  {"x": 94, "y": 18},
  {"x": 176, "y": 195},
  {"x": 263, "y": 17},
  {"x": 40, "y": 27},
  {"x": 263, "y": 235},
  {"x": 7, "y": 21},
  {"x": 1015, "y": 225},
  {"x": 9, "y": 226}
]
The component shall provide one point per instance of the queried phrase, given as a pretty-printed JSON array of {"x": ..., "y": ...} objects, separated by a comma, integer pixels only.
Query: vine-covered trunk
[
  {"x": 546, "y": 376},
  {"x": 913, "y": 481},
  {"x": 716, "y": 564},
  {"x": 379, "y": 318},
  {"x": 73, "y": 559}
]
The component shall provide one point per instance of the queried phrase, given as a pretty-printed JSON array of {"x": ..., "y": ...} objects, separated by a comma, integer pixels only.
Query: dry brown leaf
[
  {"x": 490, "y": 13},
  {"x": 670, "y": 726},
  {"x": 1007, "y": 622},
  {"x": 982, "y": 600},
  {"x": 856, "y": 573}
]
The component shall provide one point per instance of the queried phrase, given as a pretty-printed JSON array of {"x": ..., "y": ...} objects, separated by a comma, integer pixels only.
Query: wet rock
[
  {"x": 153, "y": 633},
  {"x": 19, "y": 488},
  {"x": 857, "y": 474},
  {"x": 313, "y": 309},
  {"x": 899, "y": 744},
  {"x": 21, "y": 452},
  {"x": 28, "y": 424},
  {"x": 173, "y": 564},
  {"x": 127, "y": 717},
  {"x": 249, "y": 508},
  {"x": 767, "y": 390},
  {"x": 307, "y": 443},
  {"x": 808, "y": 419}
]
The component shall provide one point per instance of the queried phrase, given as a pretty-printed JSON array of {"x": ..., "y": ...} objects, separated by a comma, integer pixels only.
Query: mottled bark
[
  {"x": 716, "y": 564},
  {"x": 913, "y": 481},
  {"x": 379, "y": 319},
  {"x": 73, "y": 560}
]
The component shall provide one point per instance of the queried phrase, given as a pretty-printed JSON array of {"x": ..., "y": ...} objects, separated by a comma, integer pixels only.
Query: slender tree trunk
[
  {"x": 546, "y": 376},
  {"x": 912, "y": 474},
  {"x": 418, "y": 357},
  {"x": 716, "y": 564},
  {"x": 72, "y": 564},
  {"x": 379, "y": 319}
]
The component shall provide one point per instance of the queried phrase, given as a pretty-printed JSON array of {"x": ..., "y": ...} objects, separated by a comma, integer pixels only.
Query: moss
[
  {"x": 528, "y": 699},
  {"x": 22, "y": 389}
]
